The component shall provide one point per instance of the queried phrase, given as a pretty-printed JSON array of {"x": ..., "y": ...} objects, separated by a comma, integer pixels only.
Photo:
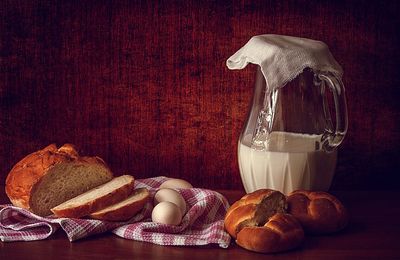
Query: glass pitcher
[{"x": 289, "y": 140}]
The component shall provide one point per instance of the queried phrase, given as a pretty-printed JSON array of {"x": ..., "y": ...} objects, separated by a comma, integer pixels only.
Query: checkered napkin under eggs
[{"x": 203, "y": 223}]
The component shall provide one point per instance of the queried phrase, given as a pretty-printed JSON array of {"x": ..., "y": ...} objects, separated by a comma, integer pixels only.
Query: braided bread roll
[
  {"x": 318, "y": 212},
  {"x": 258, "y": 222}
]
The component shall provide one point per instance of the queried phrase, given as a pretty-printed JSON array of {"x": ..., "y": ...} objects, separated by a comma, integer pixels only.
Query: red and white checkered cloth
[{"x": 203, "y": 223}]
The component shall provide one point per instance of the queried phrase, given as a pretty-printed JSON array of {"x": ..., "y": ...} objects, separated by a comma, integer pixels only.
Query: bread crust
[
  {"x": 99, "y": 203},
  {"x": 318, "y": 212},
  {"x": 28, "y": 172},
  {"x": 258, "y": 222},
  {"x": 282, "y": 232},
  {"x": 125, "y": 212}
]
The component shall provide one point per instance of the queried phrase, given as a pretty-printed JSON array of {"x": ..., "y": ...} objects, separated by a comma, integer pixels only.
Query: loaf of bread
[
  {"x": 125, "y": 209},
  {"x": 48, "y": 177},
  {"x": 318, "y": 212},
  {"x": 114, "y": 191},
  {"x": 258, "y": 222}
]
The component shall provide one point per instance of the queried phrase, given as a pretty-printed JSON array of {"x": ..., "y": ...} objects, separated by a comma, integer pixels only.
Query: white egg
[
  {"x": 166, "y": 213},
  {"x": 176, "y": 184},
  {"x": 171, "y": 196}
]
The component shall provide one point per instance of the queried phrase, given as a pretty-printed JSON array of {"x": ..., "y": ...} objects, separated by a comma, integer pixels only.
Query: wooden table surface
[{"x": 373, "y": 233}]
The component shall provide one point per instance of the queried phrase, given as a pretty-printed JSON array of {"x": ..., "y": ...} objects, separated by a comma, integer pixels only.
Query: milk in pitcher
[{"x": 290, "y": 161}]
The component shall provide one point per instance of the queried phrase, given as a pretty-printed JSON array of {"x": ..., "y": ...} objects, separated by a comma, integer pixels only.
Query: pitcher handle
[{"x": 331, "y": 139}]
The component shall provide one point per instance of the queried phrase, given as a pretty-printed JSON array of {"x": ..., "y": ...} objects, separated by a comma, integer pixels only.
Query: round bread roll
[
  {"x": 318, "y": 212},
  {"x": 258, "y": 222},
  {"x": 51, "y": 176}
]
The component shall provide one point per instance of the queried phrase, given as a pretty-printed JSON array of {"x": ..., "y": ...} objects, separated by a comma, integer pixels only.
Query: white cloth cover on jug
[{"x": 283, "y": 58}]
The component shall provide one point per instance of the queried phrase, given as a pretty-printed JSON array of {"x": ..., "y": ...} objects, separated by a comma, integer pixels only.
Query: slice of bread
[
  {"x": 96, "y": 199},
  {"x": 125, "y": 209},
  {"x": 50, "y": 176}
]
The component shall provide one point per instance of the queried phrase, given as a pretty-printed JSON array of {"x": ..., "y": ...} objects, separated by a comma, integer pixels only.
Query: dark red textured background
[{"x": 144, "y": 85}]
